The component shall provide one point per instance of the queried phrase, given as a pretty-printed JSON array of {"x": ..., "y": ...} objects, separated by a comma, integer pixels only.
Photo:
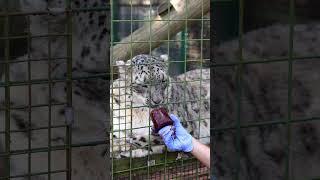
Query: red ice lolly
[{"x": 160, "y": 118}]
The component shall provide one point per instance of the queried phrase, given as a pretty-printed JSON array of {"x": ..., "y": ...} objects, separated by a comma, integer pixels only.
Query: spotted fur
[
  {"x": 89, "y": 44},
  {"x": 89, "y": 38},
  {"x": 264, "y": 99},
  {"x": 143, "y": 85}
]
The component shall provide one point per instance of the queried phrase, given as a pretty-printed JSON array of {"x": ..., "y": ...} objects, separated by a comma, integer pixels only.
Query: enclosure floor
[{"x": 192, "y": 170}]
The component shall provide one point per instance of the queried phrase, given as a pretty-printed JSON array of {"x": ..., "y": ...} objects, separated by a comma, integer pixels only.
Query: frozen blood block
[{"x": 160, "y": 118}]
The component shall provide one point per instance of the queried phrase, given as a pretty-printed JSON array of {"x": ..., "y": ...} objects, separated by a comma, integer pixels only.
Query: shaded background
[{"x": 256, "y": 93}]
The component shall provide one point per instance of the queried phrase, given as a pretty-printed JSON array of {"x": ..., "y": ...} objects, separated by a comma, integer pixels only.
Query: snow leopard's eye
[
  {"x": 140, "y": 88},
  {"x": 164, "y": 83}
]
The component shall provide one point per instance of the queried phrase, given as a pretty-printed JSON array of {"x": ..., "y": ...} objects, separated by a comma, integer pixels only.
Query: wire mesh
[
  {"x": 131, "y": 160},
  {"x": 261, "y": 97},
  {"x": 52, "y": 97},
  {"x": 46, "y": 93}
]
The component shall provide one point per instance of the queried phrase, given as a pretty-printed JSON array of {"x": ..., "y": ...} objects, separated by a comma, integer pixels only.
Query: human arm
[
  {"x": 201, "y": 152},
  {"x": 177, "y": 138}
]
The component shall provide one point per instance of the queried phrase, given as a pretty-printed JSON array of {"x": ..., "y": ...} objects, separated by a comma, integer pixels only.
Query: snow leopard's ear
[
  {"x": 121, "y": 68},
  {"x": 165, "y": 58},
  {"x": 128, "y": 63}
]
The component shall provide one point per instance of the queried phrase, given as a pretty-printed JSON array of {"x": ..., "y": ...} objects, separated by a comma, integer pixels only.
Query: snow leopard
[
  {"x": 47, "y": 120},
  {"x": 263, "y": 98},
  {"x": 48, "y": 74},
  {"x": 143, "y": 85},
  {"x": 87, "y": 116}
]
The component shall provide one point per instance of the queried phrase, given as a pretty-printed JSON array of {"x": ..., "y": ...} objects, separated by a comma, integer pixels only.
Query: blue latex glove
[{"x": 176, "y": 137}]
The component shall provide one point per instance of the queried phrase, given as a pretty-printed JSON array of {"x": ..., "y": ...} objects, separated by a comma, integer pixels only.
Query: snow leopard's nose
[{"x": 156, "y": 100}]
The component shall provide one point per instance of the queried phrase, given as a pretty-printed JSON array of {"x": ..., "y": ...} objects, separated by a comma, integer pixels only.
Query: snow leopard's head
[{"x": 150, "y": 82}]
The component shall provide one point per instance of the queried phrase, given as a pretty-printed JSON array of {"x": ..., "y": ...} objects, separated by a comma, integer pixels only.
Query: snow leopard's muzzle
[{"x": 156, "y": 97}]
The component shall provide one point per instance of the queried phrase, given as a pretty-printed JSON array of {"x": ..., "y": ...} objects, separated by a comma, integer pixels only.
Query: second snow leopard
[{"x": 261, "y": 145}]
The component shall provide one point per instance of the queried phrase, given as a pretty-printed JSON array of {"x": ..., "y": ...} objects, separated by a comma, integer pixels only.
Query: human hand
[{"x": 176, "y": 137}]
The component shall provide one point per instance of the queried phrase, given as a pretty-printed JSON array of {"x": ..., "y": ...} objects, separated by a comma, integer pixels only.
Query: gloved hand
[{"x": 176, "y": 137}]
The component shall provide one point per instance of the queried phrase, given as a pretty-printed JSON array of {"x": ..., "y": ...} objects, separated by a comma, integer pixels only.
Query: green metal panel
[
  {"x": 7, "y": 95},
  {"x": 226, "y": 13},
  {"x": 10, "y": 18},
  {"x": 226, "y": 32}
]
